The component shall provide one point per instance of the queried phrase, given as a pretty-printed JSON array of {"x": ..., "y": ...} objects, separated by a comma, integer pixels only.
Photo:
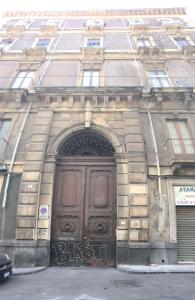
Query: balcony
[
  {"x": 93, "y": 24},
  {"x": 167, "y": 84},
  {"x": 10, "y": 84},
  {"x": 94, "y": 51},
  {"x": 180, "y": 153}
]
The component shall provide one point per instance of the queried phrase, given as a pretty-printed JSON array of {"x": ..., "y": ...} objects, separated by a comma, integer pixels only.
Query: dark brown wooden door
[{"x": 83, "y": 219}]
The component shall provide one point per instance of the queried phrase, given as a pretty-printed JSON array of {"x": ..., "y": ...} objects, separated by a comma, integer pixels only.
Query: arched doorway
[{"x": 84, "y": 203}]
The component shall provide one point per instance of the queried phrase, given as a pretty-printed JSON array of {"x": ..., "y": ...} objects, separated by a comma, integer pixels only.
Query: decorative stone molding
[
  {"x": 139, "y": 27},
  {"x": 35, "y": 52},
  {"x": 189, "y": 51},
  {"x": 95, "y": 25},
  {"x": 92, "y": 53},
  {"x": 30, "y": 66},
  {"x": 101, "y": 12},
  {"x": 17, "y": 29},
  {"x": 154, "y": 63},
  {"x": 173, "y": 26},
  {"x": 48, "y": 30},
  {"x": 150, "y": 51}
]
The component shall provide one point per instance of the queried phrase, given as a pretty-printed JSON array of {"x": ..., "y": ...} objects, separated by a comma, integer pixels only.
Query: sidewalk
[
  {"x": 180, "y": 268},
  {"x": 23, "y": 271},
  {"x": 183, "y": 268}
]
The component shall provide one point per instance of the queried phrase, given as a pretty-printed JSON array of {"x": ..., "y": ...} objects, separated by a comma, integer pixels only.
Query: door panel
[
  {"x": 67, "y": 218},
  {"x": 83, "y": 223}
]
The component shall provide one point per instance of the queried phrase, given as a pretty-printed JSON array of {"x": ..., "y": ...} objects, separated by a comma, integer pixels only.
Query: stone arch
[{"x": 56, "y": 143}]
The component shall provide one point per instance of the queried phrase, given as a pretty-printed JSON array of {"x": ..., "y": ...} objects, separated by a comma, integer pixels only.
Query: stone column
[
  {"x": 138, "y": 189},
  {"x": 27, "y": 212}
]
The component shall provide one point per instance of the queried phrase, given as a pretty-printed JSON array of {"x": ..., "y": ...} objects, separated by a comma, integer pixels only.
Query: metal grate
[
  {"x": 185, "y": 233},
  {"x": 87, "y": 143}
]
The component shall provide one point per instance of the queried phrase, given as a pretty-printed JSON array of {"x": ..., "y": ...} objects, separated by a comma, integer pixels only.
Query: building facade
[{"x": 97, "y": 137}]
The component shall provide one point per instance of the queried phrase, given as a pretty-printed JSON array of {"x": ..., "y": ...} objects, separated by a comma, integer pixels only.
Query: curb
[
  {"x": 157, "y": 271},
  {"x": 23, "y": 271}
]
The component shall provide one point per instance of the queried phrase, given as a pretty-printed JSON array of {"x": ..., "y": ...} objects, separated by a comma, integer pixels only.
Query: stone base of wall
[
  {"x": 26, "y": 253},
  {"x": 163, "y": 253},
  {"x": 37, "y": 253},
  {"x": 147, "y": 254}
]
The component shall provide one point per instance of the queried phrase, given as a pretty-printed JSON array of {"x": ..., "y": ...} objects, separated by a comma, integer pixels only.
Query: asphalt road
[{"x": 97, "y": 284}]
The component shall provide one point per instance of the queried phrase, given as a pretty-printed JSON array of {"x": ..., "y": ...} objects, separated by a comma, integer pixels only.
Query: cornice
[{"x": 175, "y": 11}]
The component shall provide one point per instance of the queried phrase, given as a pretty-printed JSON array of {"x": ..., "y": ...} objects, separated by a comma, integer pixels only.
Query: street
[{"x": 97, "y": 284}]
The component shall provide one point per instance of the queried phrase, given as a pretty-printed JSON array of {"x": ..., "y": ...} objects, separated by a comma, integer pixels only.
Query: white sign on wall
[
  {"x": 43, "y": 211},
  {"x": 184, "y": 195}
]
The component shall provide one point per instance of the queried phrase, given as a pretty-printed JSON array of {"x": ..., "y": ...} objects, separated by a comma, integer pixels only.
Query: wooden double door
[{"x": 83, "y": 217}]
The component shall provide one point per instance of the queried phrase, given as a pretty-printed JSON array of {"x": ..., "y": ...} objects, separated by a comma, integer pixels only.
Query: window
[
  {"x": 4, "y": 128},
  {"x": 158, "y": 78},
  {"x": 24, "y": 23},
  {"x": 91, "y": 78},
  {"x": 42, "y": 43},
  {"x": 23, "y": 80},
  {"x": 134, "y": 22},
  {"x": 95, "y": 23},
  {"x": 6, "y": 43},
  {"x": 180, "y": 137},
  {"x": 93, "y": 43},
  {"x": 181, "y": 42},
  {"x": 171, "y": 21},
  {"x": 142, "y": 42},
  {"x": 53, "y": 22}
]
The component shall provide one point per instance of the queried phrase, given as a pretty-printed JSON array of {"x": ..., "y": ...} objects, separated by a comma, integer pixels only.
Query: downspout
[
  {"x": 134, "y": 58},
  {"x": 50, "y": 58},
  {"x": 158, "y": 173},
  {"x": 12, "y": 165}
]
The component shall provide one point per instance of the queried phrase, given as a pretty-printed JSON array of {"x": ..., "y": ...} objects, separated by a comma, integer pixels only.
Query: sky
[{"x": 94, "y": 4}]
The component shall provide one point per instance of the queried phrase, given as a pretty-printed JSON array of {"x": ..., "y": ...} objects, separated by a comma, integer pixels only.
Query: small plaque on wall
[{"x": 43, "y": 212}]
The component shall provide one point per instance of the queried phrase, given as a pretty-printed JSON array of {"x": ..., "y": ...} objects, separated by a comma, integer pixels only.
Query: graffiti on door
[{"x": 76, "y": 252}]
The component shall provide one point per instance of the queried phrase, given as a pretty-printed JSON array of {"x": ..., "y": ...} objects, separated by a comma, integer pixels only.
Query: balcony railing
[
  {"x": 180, "y": 150},
  {"x": 10, "y": 83},
  {"x": 166, "y": 82}
]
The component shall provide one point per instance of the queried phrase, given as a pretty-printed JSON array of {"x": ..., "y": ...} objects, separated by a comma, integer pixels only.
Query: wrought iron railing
[
  {"x": 167, "y": 82},
  {"x": 180, "y": 149}
]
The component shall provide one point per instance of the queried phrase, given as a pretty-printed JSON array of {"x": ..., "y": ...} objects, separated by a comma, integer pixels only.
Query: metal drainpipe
[
  {"x": 50, "y": 58},
  {"x": 134, "y": 58},
  {"x": 11, "y": 166},
  {"x": 158, "y": 173}
]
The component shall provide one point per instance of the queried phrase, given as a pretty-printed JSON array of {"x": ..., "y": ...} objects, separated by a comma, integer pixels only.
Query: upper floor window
[
  {"x": 93, "y": 43},
  {"x": 134, "y": 22},
  {"x": 98, "y": 23},
  {"x": 23, "y": 80},
  {"x": 158, "y": 78},
  {"x": 91, "y": 78},
  {"x": 53, "y": 22},
  {"x": 181, "y": 42},
  {"x": 180, "y": 137},
  {"x": 4, "y": 129},
  {"x": 170, "y": 21},
  {"x": 6, "y": 43},
  {"x": 143, "y": 42},
  {"x": 24, "y": 23},
  {"x": 42, "y": 43},
  {"x": 15, "y": 22}
]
